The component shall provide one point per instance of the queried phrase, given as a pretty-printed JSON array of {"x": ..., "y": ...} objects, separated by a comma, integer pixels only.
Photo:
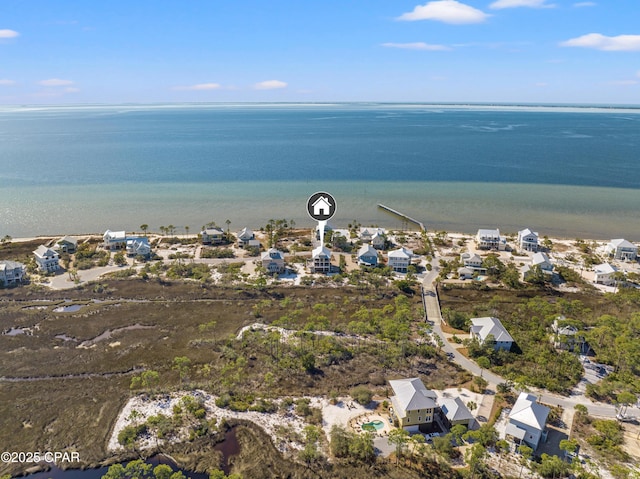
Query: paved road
[{"x": 434, "y": 317}]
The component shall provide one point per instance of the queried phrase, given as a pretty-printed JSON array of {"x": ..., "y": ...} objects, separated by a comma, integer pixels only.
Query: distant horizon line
[{"x": 629, "y": 106}]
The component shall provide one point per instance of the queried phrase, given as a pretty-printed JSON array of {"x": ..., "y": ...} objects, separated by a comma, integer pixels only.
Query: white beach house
[
  {"x": 604, "y": 274},
  {"x": 138, "y": 247},
  {"x": 245, "y": 236},
  {"x": 399, "y": 259},
  {"x": 320, "y": 260},
  {"x": 114, "y": 240},
  {"x": 622, "y": 250},
  {"x": 528, "y": 240},
  {"x": 490, "y": 239},
  {"x": 213, "y": 235},
  {"x": 48, "y": 259},
  {"x": 527, "y": 419}
]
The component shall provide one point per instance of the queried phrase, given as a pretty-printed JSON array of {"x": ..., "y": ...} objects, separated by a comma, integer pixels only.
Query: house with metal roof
[
  {"x": 604, "y": 274},
  {"x": 67, "y": 244},
  {"x": 455, "y": 412},
  {"x": 11, "y": 273},
  {"x": 528, "y": 240},
  {"x": 367, "y": 255},
  {"x": 245, "y": 236},
  {"x": 114, "y": 240},
  {"x": 413, "y": 404},
  {"x": 527, "y": 420},
  {"x": 483, "y": 328},
  {"x": 212, "y": 235},
  {"x": 490, "y": 239},
  {"x": 273, "y": 260},
  {"x": 622, "y": 250},
  {"x": 48, "y": 260},
  {"x": 320, "y": 260},
  {"x": 399, "y": 259},
  {"x": 138, "y": 247}
]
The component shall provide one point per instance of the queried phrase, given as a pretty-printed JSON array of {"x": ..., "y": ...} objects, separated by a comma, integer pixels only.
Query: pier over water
[{"x": 403, "y": 216}]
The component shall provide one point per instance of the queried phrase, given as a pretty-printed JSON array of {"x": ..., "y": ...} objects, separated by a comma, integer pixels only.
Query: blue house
[{"x": 367, "y": 256}]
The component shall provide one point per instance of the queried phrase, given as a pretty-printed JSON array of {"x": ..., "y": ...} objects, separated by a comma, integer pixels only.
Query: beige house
[
  {"x": 212, "y": 235},
  {"x": 413, "y": 404},
  {"x": 320, "y": 260},
  {"x": 273, "y": 261}
]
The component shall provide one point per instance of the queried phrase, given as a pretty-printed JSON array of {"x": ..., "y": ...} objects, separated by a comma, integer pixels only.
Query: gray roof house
[
  {"x": 604, "y": 274},
  {"x": 413, "y": 404},
  {"x": 138, "y": 247},
  {"x": 542, "y": 259},
  {"x": 320, "y": 260},
  {"x": 212, "y": 235},
  {"x": 11, "y": 273},
  {"x": 367, "y": 256},
  {"x": 490, "y": 239},
  {"x": 482, "y": 328},
  {"x": 67, "y": 244},
  {"x": 399, "y": 259},
  {"x": 527, "y": 420},
  {"x": 114, "y": 240},
  {"x": 455, "y": 412},
  {"x": 245, "y": 236}
]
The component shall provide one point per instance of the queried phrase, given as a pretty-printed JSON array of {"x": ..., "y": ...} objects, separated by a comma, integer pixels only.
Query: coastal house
[
  {"x": 212, "y": 235},
  {"x": 542, "y": 260},
  {"x": 527, "y": 420},
  {"x": 367, "y": 256},
  {"x": 11, "y": 273},
  {"x": 528, "y": 240},
  {"x": 466, "y": 273},
  {"x": 604, "y": 274},
  {"x": 622, "y": 250},
  {"x": 454, "y": 412},
  {"x": 273, "y": 260},
  {"x": 138, "y": 247},
  {"x": 472, "y": 261},
  {"x": 486, "y": 327},
  {"x": 490, "y": 239},
  {"x": 399, "y": 259},
  {"x": 67, "y": 244},
  {"x": 48, "y": 260},
  {"x": 114, "y": 240},
  {"x": 245, "y": 237},
  {"x": 320, "y": 260},
  {"x": 378, "y": 240},
  {"x": 414, "y": 406},
  {"x": 366, "y": 235}
]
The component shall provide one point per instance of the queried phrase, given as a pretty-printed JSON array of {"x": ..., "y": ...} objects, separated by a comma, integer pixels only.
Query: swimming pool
[{"x": 372, "y": 426}]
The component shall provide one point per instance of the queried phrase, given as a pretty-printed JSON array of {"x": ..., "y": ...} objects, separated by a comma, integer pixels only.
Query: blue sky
[{"x": 534, "y": 51}]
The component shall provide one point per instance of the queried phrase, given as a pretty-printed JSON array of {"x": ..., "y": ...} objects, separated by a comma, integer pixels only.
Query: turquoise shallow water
[
  {"x": 555, "y": 210},
  {"x": 563, "y": 171}
]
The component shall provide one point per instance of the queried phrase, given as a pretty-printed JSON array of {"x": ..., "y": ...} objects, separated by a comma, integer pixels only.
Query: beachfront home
[
  {"x": 527, "y": 420},
  {"x": 48, "y": 259},
  {"x": 366, "y": 235},
  {"x": 413, "y": 404},
  {"x": 528, "y": 240},
  {"x": 490, "y": 239},
  {"x": 487, "y": 327},
  {"x": 11, "y": 273},
  {"x": 622, "y": 250},
  {"x": 245, "y": 237},
  {"x": 454, "y": 412},
  {"x": 604, "y": 274},
  {"x": 542, "y": 260},
  {"x": 273, "y": 260},
  {"x": 138, "y": 247},
  {"x": 114, "y": 240},
  {"x": 367, "y": 256},
  {"x": 67, "y": 244},
  {"x": 320, "y": 260},
  {"x": 399, "y": 259},
  {"x": 212, "y": 235}
]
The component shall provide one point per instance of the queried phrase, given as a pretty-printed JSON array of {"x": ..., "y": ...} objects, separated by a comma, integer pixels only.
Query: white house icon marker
[{"x": 321, "y": 206}]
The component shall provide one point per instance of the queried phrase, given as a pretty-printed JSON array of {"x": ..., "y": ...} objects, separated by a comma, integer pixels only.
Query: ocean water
[{"x": 572, "y": 172}]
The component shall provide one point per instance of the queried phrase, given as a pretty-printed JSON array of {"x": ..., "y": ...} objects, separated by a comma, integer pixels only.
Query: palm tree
[
  {"x": 227, "y": 222},
  {"x": 144, "y": 227},
  {"x": 171, "y": 230},
  {"x": 186, "y": 229},
  {"x": 163, "y": 229}
]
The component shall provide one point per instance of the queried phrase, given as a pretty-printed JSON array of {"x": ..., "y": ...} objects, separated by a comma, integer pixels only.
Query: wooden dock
[{"x": 403, "y": 216}]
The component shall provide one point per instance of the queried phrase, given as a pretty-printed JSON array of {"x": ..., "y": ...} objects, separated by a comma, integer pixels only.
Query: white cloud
[
  {"x": 584, "y": 4},
  {"x": 447, "y": 11},
  {"x": 5, "y": 82},
  {"x": 598, "y": 41},
  {"x": 417, "y": 46},
  {"x": 200, "y": 87},
  {"x": 499, "y": 4},
  {"x": 55, "y": 82},
  {"x": 270, "y": 85},
  {"x": 8, "y": 34}
]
